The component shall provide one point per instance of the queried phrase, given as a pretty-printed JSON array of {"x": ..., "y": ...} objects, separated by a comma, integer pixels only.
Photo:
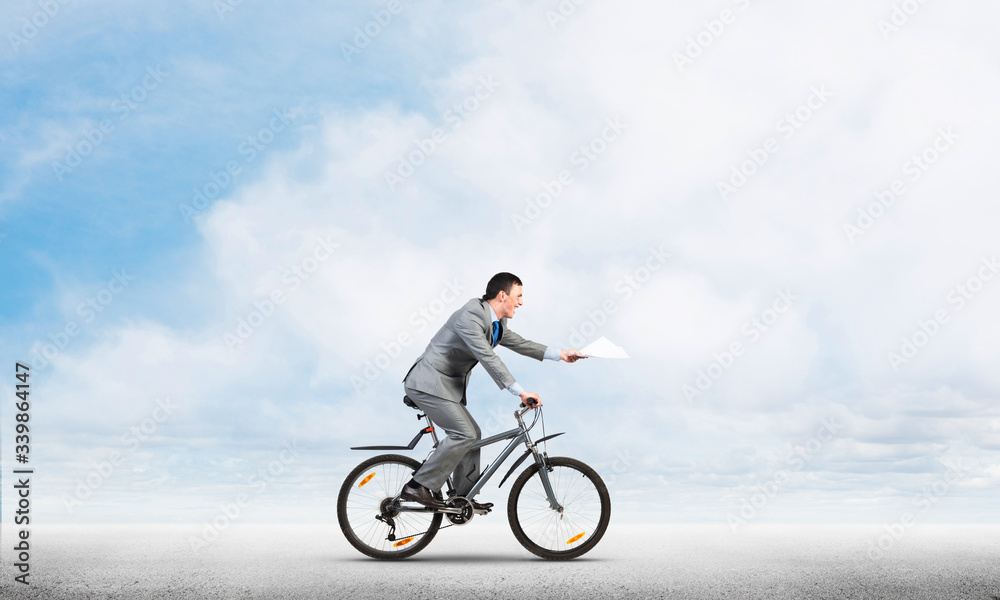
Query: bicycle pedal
[{"x": 484, "y": 511}]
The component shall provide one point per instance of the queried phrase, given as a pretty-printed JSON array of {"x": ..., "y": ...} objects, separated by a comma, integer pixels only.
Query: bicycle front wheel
[
  {"x": 367, "y": 493},
  {"x": 586, "y": 510}
]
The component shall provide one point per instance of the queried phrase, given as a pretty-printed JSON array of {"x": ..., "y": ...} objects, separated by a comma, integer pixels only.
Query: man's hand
[
  {"x": 531, "y": 399},
  {"x": 571, "y": 356}
]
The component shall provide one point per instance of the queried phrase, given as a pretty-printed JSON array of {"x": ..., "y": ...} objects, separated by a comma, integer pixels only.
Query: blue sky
[{"x": 462, "y": 141}]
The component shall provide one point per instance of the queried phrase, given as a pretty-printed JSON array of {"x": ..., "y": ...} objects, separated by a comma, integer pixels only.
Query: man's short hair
[{"x": 501, "y": 282}]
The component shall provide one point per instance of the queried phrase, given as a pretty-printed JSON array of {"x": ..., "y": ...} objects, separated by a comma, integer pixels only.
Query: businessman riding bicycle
[{"x": 437, "y": 383}]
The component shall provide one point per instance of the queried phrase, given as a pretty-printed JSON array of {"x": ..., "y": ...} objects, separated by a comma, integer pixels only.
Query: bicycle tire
[
  {"x": 376, "y": 469},
  {"x": 564, "y": 528}
]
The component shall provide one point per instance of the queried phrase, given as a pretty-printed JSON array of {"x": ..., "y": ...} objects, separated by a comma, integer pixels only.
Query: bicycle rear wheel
[
  {"x": 551, "y": 534},
  {"x": 367, "y": 492}
]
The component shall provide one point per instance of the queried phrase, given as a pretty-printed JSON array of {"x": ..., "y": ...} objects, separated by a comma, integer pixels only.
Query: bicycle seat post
[{"x": 433, "y": 432}]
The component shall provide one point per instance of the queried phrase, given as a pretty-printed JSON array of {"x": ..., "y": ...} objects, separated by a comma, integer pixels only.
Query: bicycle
[{"x": 558, "y": 508}]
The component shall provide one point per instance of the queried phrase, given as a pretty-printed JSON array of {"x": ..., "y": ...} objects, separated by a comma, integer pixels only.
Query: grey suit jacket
[{"x": 462, "y": 342}]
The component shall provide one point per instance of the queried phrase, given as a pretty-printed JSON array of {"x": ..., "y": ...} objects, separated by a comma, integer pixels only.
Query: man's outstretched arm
[{"x": 527, "y": 347}]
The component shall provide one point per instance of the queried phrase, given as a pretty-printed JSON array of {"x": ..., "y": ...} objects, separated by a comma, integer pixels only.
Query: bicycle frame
[{"x": 516, "y": 436}]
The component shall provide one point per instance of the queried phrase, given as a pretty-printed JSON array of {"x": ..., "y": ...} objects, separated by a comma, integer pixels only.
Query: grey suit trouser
[{"x": 453, "y": 453}]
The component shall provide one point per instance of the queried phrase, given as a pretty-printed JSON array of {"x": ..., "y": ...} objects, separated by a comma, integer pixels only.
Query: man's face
[{"x": 509, "y": 302}]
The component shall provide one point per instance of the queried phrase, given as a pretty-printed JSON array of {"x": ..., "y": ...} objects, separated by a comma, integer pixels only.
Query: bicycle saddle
[{"x": 410, "y": 403}]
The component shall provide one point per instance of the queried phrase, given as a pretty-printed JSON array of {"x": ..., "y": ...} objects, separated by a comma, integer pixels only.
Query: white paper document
[{"x": 603, "y": 348}]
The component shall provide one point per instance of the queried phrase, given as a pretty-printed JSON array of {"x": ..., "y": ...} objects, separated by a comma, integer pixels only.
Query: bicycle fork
[{"x": 542, "y": 460}]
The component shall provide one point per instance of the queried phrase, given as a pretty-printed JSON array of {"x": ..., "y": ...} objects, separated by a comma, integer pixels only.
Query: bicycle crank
[{"x": 463, "y": 511}]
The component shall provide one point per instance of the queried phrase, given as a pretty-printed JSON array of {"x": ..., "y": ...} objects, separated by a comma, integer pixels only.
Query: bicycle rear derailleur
[{"x": 386, "y": 514}]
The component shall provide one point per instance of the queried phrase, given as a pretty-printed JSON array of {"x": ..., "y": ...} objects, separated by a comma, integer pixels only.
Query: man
[{"x": 437, "y": 383}]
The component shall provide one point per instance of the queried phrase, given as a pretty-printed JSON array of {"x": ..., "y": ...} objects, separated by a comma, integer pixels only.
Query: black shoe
[
  {"x": 481, "y": 508},
  {"x": 421, "y": 495}
]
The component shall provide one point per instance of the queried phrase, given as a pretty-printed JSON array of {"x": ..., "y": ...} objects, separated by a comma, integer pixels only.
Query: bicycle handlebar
[{"x": 518, "y": 414}]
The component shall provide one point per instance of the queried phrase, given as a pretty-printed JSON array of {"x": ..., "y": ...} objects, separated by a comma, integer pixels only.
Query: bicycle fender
[
  {"x": 514, "y": 466},
  {"x": 524, "y": 456},
  {"x": 549, "y": 437},
  {"x": 413, "y": 443}
]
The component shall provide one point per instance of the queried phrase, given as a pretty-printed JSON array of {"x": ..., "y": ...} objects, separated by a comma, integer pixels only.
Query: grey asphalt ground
[{"x": 483, "y": 560}]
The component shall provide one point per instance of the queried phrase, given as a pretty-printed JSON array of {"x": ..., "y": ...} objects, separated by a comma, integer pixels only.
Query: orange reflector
[
  {"x": 366, "y": 480},
  {"x": 403, "y": 542},
  {"x": 575, "y": 538}
]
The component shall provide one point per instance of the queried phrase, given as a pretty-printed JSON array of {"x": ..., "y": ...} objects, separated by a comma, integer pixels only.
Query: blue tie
[{"x": 496, "y": 333}]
